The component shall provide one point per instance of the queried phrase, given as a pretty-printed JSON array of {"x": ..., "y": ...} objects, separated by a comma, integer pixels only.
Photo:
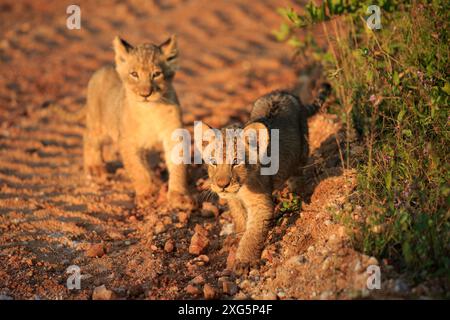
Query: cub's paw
[
  {"x": 242, "y": 268},
  {"x": 179, "y": 200},
  {"x": 95, "y": 171}
]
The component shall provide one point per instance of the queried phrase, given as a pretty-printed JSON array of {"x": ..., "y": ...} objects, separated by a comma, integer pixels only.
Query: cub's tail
[{"x": 322, "y": 95}]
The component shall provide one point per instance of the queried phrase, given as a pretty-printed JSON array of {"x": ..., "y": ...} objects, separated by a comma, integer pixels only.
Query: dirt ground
[{"x": 52, "y": 217}]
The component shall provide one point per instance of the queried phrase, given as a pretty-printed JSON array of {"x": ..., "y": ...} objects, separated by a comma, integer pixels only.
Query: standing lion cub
[
  {"x": 245, "y": 186},
  {"x": 135, "y": 106}
]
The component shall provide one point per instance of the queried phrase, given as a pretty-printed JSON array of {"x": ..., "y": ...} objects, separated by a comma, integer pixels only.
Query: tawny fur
[
  {"x": 249, "y": 194},
  {"x": 134, "y": 106}
]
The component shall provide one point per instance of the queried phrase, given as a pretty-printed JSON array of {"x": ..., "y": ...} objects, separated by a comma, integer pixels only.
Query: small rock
[
  {"x": 229, "y": 288},
  {"x": 169, "y": 246},
  {"x": 209, "y": 210},
  {"x": 203, "y": 257},
  {"x": 326, "y": 264},
  {"x": 191, "y": 289},
  {"x": 226, "y": 230},
  {"x": 281, "y": 294},
  {"x": 241, "y": 296},
  {"x": 199, "y": 241},
  {"x": 269, "y": 296},
  {"x": 245, "y": 285},
  {"x": 326, "y": 295},
  {"x": 401, "y": 286},
  {"x": 221, "y": 280},
  {"x": 96, "y": 250},
  {"x": 101, "y": 293},
  {"x": 136, "y": 291},
  {"x": 198, "y": 280},
  {"x": 5, "y": 297},
  {"x": 310, "y": 249},
  {"x": 183, "y": 217},
  {"x": 160, "y": 227},
  {"x": 209, "y": 292},
  {"x": 166, "y": 221}
]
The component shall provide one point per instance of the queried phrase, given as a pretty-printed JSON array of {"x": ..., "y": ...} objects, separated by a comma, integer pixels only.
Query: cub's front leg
[
  {"x": 178, "y": 193},
  {"x": 138, "y": 170},
  {"x": 259, "y": 206},
  {"x": 238, "y": 213}
]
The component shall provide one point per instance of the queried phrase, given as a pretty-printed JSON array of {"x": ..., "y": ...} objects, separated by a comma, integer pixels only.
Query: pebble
[
  {"x": 401, "y": 286},
  {"x": 169, "y": 246},
  {"x": 326, "y": 264},
  {"x": 5, "y": 297},
  {"x": 326, "y": 295},
  {"x": 96, "y": 250},
  {"x": 160, "y": 227},
  {"x": 209, "y": 292},
  {"x": 183, "y": 217},
  {"x": 191, "y": 289},
  {"x": 101, "y": 293},
  {"x": 199, "y": 241},
  {"x": 198, "y": 280},
  {"x": 229, "y": 288},
  {"x": 244, "y": 285},
  {"x": 269, "y": 296}
]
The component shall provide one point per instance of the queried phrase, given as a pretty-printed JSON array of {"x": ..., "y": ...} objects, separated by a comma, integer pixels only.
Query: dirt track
[{"x": 50, "y": 215}]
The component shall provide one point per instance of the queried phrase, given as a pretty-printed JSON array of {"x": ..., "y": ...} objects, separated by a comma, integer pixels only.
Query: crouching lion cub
[
  {"x": 134, "y": 106},
  {"x": 241, "y": 182}
]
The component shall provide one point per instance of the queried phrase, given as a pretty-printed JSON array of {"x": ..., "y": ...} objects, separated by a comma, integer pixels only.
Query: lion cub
[
  {"x": 235, "y": 178},
  {"x": 134, "y": 105}
]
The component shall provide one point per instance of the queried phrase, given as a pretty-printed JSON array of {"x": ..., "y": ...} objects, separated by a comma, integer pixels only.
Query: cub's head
[
  {"x": 232, "y": 155},
  {"x": 146, "y": 70}
]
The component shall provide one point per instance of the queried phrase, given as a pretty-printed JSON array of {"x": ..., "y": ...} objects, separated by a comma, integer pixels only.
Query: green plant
[{"x": 393, "y": 90}]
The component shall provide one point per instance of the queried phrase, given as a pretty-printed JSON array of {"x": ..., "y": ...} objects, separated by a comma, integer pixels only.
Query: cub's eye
[
  {"x": 212, "y": 162},
  {"x": 236, "y": 162},
  {"x": 157, "y": 74},
  {"x": 134, "y": 74}
]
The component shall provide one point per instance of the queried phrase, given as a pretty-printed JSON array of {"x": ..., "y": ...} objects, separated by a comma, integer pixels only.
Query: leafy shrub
[{"x": 393, "y": 90}]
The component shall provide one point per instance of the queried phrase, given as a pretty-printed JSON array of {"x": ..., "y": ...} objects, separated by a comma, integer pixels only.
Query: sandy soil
[{"x": 51, "y": 217}]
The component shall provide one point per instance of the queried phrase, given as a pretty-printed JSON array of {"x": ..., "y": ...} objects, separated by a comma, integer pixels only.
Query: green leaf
[
  {"x": 407, "y": 132},
  {"x": 446, "y": 88},
  {"x": 401, "y": 115},
  {"x": 396, "y": 78}
]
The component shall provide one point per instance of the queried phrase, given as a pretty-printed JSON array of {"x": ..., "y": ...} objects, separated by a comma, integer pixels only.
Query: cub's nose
[
  {"x": 223, "y": 182},
  {"x": 146, "y": 93}
]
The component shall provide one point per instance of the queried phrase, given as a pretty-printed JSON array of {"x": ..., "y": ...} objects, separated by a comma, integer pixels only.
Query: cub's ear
[
  {"x": 169, "y": 49},
  {"x": 122, "y": 50},
  {"x": 204, "y": 136},
  {"x": 256, "y": 135}
]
